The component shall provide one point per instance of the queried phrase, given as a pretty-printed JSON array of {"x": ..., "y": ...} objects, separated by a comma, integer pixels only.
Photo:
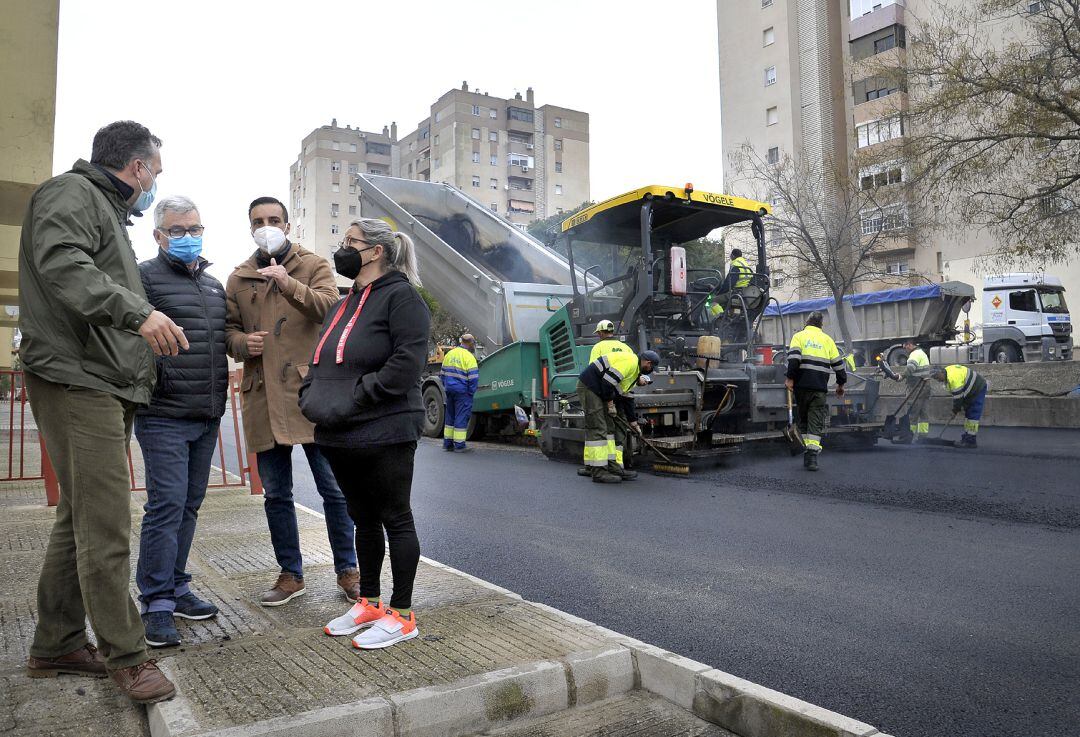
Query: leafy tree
[
  {"x": 445, "y": 328},
  {"x": 706, "y": 253},
  {"x": 993, "y": 121},
  {"x": 547, "y": 229}
]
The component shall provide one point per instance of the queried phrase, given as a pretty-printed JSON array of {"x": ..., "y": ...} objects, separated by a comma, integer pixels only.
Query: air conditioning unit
[
  {"x": 525, "y": 168},
  {"x": 529, "y": 146}
]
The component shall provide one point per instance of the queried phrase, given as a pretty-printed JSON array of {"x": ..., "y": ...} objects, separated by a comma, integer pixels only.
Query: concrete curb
[{"x": 489, "y": 700}]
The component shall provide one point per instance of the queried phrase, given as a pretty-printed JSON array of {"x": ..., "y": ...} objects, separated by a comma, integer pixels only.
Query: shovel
[
  {"x": 791, "y": 433},
  {"x": 890, "y": 428}
]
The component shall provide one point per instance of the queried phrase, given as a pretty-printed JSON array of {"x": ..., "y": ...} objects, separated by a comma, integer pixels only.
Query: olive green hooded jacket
[{"x": 81, "y": 301}]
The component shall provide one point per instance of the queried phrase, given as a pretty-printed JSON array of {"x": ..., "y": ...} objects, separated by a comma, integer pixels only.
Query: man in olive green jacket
[{"x": 87, "y": 336}]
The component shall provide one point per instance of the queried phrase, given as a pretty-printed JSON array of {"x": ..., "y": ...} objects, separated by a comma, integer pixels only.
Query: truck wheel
[
  {"x": 896, "y": 356},
  {"x": 434, "y": 406},
  {"x": 1006, "y": 353},
  {"x": 477, "y": 427}
]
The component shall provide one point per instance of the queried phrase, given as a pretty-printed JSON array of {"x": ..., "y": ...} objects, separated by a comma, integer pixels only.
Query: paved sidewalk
[{"x": 486, "y": 661}]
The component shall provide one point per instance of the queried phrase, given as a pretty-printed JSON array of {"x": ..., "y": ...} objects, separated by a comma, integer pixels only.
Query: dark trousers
[
  {"x": 813, "y": 417},
  {"x": 456, "y": 419},
  {"x": 604, "y": 435},
  {"x": 87, "y": 568},
  {"x": 275, "y": 469},
  {"x": 177, "y": 455},
  {"x": 377, "y": 483}
]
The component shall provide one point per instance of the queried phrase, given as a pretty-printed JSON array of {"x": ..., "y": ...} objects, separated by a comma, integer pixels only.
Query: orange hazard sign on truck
[{"x": 996, "y": 301}]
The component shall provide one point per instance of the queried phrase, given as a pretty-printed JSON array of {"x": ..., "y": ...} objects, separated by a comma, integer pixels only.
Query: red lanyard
[{"x": 340, "y": 353}]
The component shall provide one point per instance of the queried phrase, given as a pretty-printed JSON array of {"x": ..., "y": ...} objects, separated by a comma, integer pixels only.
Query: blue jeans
[
  {"x": 275, "y": 468},
  {"x": 177, "y": 454}
]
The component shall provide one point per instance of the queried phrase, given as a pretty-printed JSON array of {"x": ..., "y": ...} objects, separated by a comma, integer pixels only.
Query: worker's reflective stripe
[
  {"x": 849, "y": 362},
  {"x": 460, "y": 433},
  {"x": 620, "y": 369},
  {"x": 618, "y": 455},
  {"x": 596, "y": 453},
  {"x": 971, "y": 427},
  {"x": 807, "y": 365},
  {"x": 920, "y": 428},
  {"x": 812, "y": 442},
  {"x": 448, "y": 432},
  {"x": 611, "y": 447}
]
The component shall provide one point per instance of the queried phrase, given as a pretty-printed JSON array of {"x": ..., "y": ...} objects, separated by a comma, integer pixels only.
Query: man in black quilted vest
[{"x": 178, "y": 431}]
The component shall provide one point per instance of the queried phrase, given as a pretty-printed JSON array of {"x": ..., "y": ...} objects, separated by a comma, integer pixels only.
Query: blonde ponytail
[{"x": 404, "y": 258}]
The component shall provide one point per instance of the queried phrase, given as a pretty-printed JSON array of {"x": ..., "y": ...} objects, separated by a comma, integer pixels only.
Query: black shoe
[
  {"x": 811, "y": 462},
  {"x": 604, "y": 476},
  {"x": 624, "y": 473},
  {"x": 905, "y": 439},
  {"x": 160, "y": 629},
  {"x": 190, "y": 606},
  {"x": 967, "y": 441},
  {"x": 806, "y": 458},
  {"x": 448, "y": 448},
  {"x": 584, "y": 471}
]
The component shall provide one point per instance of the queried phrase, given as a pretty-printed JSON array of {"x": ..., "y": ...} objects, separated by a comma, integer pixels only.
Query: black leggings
[{"x": 377, "y": 483}]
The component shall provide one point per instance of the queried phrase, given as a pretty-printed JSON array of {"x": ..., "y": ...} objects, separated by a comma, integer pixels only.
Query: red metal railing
[{"x": 245, "y": 472}]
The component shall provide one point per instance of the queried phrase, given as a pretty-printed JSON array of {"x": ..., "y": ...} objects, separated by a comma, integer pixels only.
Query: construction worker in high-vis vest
[
  {"x": 605, "y": 330},
  {"x": 740, "y": 272},
  {"x": 604, "y": 388},
  {"x": 968, "y": 391},
  {"x": 460, "y": 376},
  {"x": 916, "y": 373},
  {"x": 812, "y": 358}
]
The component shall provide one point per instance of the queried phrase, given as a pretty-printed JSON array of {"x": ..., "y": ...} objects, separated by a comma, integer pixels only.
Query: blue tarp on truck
[{"x": 857, "y": 300}]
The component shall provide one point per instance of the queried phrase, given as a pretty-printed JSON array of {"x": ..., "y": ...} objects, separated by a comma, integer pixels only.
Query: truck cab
[{"x": 1025, "y": 318}]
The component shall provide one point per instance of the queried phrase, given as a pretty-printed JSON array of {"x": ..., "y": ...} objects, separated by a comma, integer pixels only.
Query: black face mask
[{"x": 348, "y": 261}]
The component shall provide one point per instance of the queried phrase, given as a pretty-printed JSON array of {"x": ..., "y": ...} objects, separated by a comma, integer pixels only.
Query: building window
[
  {"x": 476, "y": 110},
  {"x": 336, "y": 146},
  {"x": 898, "y": 268},
  {"x": 435, "y": 140},
  {"x": 558, "y": 144},
  {"x": 435, "y": 162},
  {"x": 335, "y": 166},
  {"x": 777, "y": 280},
  {"x": 352, "y": 209},
  {"x": 870, "y": 179},
  {"x": 768, "y": 37},
  {"x": 493, "y": 136},
  {"x": 773, "y": 157},
  {"x": 476, "y": 157},
  {"x": 333, "y": 230},
  {"x": 494, "y": 183},
  {"x": 558, "y": 167},
  {"x": 493, "y": 113},
  {"x": 766, "y": 3},
  {"x": 334, "y": 209},
  {"x": 558, "y": 189},
  {"x": 770, "y": 76},
  {"x": 476, "y": 181},
  {"x": 517, "y": 113},
  {"x": 494, "y": 160},
  {"x": 884, "y": 44},
  {"x": 886, "y": 218},
  {"x": 520, "y": 160},
  {"x": 352, "y": 147},
  {"x": 352, "y": 189},
  {"x": 877, "y": 131},
  {"x": 1035, "y": 7},
  {"x": 335, "y": 187},
  {"x": 558, "y": 122},
  {"x": 771, "y": 116},
  {"x": 476, "y": 134},
  {"x": 354, "y": 168},
  {"x": 494, "y": 206}
]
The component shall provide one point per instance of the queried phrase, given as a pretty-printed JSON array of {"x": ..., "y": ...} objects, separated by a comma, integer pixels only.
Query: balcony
[
  {"x": 890, "y": 15},
  {"x": 520, "y": 171},
  {"x": 882, "y": 107},
  {"x": 525, "y": 149}
]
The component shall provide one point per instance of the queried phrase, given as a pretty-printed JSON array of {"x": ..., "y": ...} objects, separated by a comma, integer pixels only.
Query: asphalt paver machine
[{"x": 716, "y": 388}]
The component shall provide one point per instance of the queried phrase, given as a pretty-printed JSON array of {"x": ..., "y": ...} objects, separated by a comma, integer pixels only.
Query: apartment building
[
  {"x": 796, "y": 77},
  {"x": 522, "y": 161}
]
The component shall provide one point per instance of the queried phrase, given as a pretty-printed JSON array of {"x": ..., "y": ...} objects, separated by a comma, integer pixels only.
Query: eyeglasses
[
  {"x": 178, "y": 231},
  {"x": 349, "y": 242}
]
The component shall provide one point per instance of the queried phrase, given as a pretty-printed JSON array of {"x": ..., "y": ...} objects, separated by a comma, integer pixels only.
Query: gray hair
[
  {"x": 176, "y": 203},
  {"x": 400, "y": 252}
]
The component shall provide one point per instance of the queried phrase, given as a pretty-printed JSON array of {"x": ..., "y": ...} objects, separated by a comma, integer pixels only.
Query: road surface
[{"x": 927, "y": 591}]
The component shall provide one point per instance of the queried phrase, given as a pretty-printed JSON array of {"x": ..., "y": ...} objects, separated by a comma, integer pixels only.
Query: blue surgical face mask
[
  {"x": 146, "y": 198},
  {"x": 185, "y": 248}
]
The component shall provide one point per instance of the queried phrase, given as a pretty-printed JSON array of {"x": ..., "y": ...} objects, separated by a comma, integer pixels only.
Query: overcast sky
[{"x": 232, "y": 86}]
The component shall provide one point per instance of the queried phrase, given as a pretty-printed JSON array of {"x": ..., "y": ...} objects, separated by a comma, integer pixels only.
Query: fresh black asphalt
[{"x": 927, "y": 591}]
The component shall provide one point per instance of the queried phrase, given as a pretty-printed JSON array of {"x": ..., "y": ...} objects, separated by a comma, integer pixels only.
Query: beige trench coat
[{"x": 292, "y": 317}]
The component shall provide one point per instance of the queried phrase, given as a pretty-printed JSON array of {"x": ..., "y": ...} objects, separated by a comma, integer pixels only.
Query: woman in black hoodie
[{"x": 363, "y": 394}]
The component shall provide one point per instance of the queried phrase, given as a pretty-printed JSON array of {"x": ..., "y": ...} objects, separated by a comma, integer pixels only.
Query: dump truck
[
  {"x": 533, "y": 309},
  {"x": 879, "y": 321}
]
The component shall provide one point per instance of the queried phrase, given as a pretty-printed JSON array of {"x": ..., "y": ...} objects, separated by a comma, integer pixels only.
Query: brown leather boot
[
  {"x": 287, "y": 588},
  {"x": 86, "y": 661},
  {"x": 349, "y": 581},
  {"x": 144, "y": 683}
]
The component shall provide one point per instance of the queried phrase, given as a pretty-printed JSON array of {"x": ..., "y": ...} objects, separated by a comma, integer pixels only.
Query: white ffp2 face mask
[{"x": 269, "y": 239}]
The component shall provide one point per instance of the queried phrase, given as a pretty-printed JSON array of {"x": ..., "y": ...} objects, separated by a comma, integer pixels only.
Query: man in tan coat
[{"x": 277, "y": 300}]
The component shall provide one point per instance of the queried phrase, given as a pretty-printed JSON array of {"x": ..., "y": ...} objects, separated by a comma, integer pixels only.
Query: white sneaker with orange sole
[
  {"x": 361, "y": 615},
  {"x": 388, "y": 630}
]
